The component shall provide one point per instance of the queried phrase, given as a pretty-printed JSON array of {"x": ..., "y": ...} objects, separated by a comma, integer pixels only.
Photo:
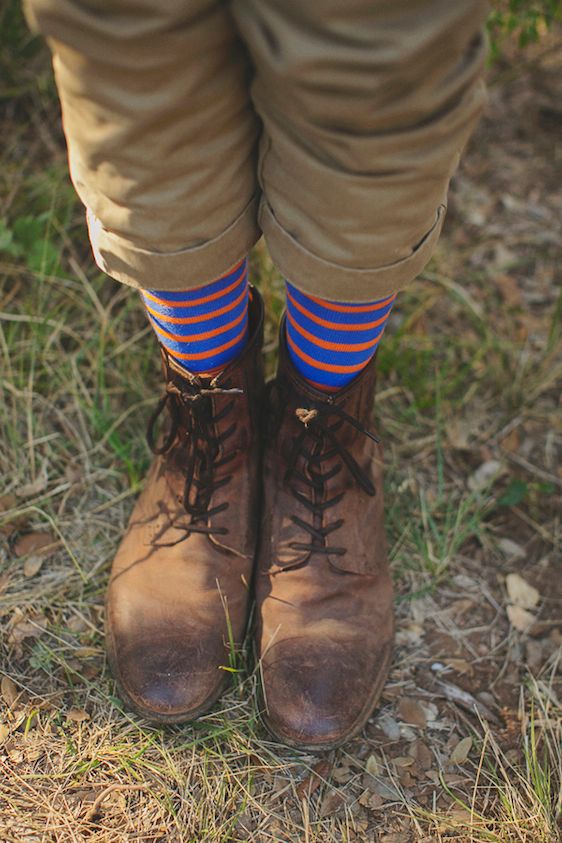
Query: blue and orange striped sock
[
  {"x": 204, "y": 328},
  {"x": 331, "y": 342}
]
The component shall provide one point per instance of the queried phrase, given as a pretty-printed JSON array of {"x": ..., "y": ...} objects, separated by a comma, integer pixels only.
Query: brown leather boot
[
  {"x": 323, "y": 586},
  {"x": 177, "y": 602}
]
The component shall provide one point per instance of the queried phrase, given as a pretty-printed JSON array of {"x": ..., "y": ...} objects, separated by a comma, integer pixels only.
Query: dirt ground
[{"x": 466, "y": 743}]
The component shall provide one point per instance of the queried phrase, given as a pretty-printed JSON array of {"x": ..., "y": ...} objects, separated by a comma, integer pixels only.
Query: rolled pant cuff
[
  {"x": 178, "y": 270},
  {"x": 316, "y": 276}
]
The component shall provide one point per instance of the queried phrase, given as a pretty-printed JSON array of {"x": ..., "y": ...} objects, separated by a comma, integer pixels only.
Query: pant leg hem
[
  {"x": 179, "y": 270},
  {"x": 316, "y": 276}
]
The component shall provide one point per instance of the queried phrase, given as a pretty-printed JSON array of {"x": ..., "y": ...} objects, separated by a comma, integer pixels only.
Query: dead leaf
[
  {"x": 87, "y": 652},
  {"x": 35, "y": 487},
  {"x": 77, "y": 624},
  {"x": 73, "y": 473},
  {"x": 408, "y": 636},
  {"x": 84, "y": 795},
  {"x": 376, "y": 802},
  {"x": 360, "y": 828},
  {"x": 405, "y": 778},
  {"x": 331, "y": 803},
  {"x": 385, "y": 791},
  {"x": 485, "y": 475},
  {"x": 34, "y": 753},
  {"x": 458, "y": 433},
  {"x": 460, "y": 666},
  {"x": 77, "y": 715},
  {"x": 4, "y": 581},
  {"x": 411, "y": 712},
  {"x": 244, "y": 820},
  {"x": 460, "y": 752},
  {"x": 364, "y": 798},
  {"x": 520, "y": 618},
  {"x": 15, "y": 754},
  {"x": 459, "y": 607},
  {"x": 27, "y": 628},
  {"x": 509, "y": 289},
  {"x": 511, "y": 441},
  {"x": 403, "y": 761},
  {"x": 7, "y": 502},
  {"x": 422, "y": 754},
  {"x": 343, "y": 773},
  {"x": 312, "y": 782},
  {"x": 372, "y": 766},
  {"x": 457, "y": 817},
  {"x": 4, "y": 732},
  {"x": 89, "y": 672},
  {"x": 534, "y": 654},
  {"x": 370, "y": 800},
  {"x": 520, "y": 593},
  {"x": 9, "y": 690},
  {"x": 37, "y": 543},
  {"x": 32, "y": 566}
]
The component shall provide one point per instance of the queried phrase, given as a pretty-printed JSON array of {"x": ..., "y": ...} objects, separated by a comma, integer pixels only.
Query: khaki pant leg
[
  {"x": 161, "y": 133},
  {"x": 366, "y": 105}
]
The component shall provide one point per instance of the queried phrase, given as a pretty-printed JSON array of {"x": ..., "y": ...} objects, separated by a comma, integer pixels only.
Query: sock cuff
[
  {"x": 206, "y": 327},
  {"x": 331, "y": 342}
]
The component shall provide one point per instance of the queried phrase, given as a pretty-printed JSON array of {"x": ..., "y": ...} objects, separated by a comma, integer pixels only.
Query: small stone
[
  {"x": 511, "y": 549},
  {"x": 389, "y": 727}
]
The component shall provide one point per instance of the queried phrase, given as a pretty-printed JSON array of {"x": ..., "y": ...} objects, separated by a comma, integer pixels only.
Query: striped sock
[
  {"x": 206, "y": 328},
  {"x": 331, "y": 342}
]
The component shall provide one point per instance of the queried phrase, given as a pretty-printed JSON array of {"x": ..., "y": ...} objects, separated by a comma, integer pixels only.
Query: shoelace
[
  {"x": 325, "y": 445},
  {"x": 193, "y": 408}
]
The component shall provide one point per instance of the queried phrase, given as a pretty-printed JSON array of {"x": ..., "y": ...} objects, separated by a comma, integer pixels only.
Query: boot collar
[
  {"x": 352, "y": 396},
  {"x": 173, "y": 371}
]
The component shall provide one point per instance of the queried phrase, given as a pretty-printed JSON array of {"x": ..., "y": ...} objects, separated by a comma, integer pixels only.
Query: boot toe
[
  {"x": 319, "y": 698},
  {"x": 169, "y": 681}
]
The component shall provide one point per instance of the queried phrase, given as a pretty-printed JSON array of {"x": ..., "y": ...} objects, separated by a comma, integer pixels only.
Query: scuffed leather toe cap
[
  {"x": 169, "y": 681},
  {"x": 320, "y": 697}
]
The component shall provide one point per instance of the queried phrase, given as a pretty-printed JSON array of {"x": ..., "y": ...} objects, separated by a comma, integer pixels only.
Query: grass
[
  {"x": 470, "y": 374},
  {"x": 516, "y": 794}
]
